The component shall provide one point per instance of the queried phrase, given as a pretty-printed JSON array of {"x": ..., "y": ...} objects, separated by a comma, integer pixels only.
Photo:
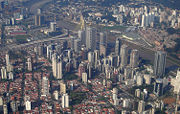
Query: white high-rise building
[
  {"x": 53, "y": 26},
  {"x": 77, "y": 45},
  {"x": 29, "y": 64},
  {"x": 65, "y": 101},
  {"x": 62, "y": 87},
  {"x": 141, "y": 107},
  {"x": 134, "y": 57},
  {"x": 82, "y": 36},
  {"x": 91, "y": 35},
  {"x": 7, "y": 59},
  {"x": 3, "y": 73},
  {"x": 28, "y": 105},
  {"x": 118, "y": 46},
  {"x": 56, "y": 95},
  {"x": 45, "y": 86},
  {"x": 5, "y": 109},
  {"x": 176, "y": 81},
  {"x": 124, "y": 55},
  {"x": 84, "y": 77},
  {"x": 11, "y": 76},
  {"x": 54, "y": 65},
  {"x": 143, "y": 21},
  {"x": 59, "y": 70},
  {"x": 91, "y": 57},
  {"x": 1, "y": 101}
]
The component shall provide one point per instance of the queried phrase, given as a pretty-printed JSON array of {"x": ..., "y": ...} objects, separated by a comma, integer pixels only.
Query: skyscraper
[
  {"x": 65, "y": 101},
  {"x": 103, "y": 38},
  {"x": 91, "y": 38},
  {"x": 3, "y": 73},
  {"x": 82, "y": 36},
  {"x": 124, "y": 55},
  {"x": 117, "y": 46},
  {"x": 134, "y": 57},
  {"x": 159, "y": 64},
  {"x": 54, "y": 65},
  {"x": 29, "y": 64},
  {"x": 158, "y": 87},
  {"x": 84, "y": 77},
  {"x": 141, "y": 106},
  {"x": 59, "y": 70},
  {"x": 62, "y": 87},
  {"x": 28, "y": 105},
  {"x": 53, "y": 26},
  {"x": 81, "y": 69},
  {"x": 77, "y": 45},
  {"x": 7, "y": 59},
  {"x": 39, "y": 20},
  {"x": 45, "y": 86}
]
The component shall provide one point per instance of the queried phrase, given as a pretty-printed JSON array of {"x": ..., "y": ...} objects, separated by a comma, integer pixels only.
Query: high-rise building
[
  {"x": 143, "y": 21},
  {"x": 53, "y": 26},
  {"x": 81, "y": 69},
  {"x": 45, "y": 86},
  {"x": 39, "y": 20},
  {"x": 82, "y": 36},
  {"x": 28, "y": 105},
  {"x": 176, "y": 81},
  {"x": 1, "y": 101},
  {"x": 91, "y": 38},
  {"x": 84, "y": 77},
  {"x": 141, "y": 106},
  {"x": 3, "y": 73},
  {"x": 54, "y": 65},
  {"x": 29, "y": 64},
  {"x": 134, "y": 57},
  {"x": 59, "y": 70},
  {"x": 62, "y": 87},
  {"x": 103, "y": 38},
  {"x": 65, "y": 101},
  {"x": 11, "y": 75},
  {"x": 102, "y": 50},
  {"x": 91, "y": 57},
  {"x": 5, "y": 109},
  {"x": 56, "y": 95},
  {"x": 77, "y": 45},
  {"x": 159, "y": 64},
  {"x": 7, "y": 59},
  {"x": 117, "y": 46},
  {"x": 158, "y": 87},
  {"x": 124, "y": 55}
]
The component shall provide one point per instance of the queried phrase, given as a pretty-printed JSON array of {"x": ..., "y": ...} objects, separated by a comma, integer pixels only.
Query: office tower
[
  {"x": 102, "y": 50},
  {"x": 11, "y": 76},
  {"x": 138, "y": 93},
  {"x": 113, "y": 60},
  {"x": 39, "y": 20},
  {"x": 159, "y": 64},
  {"x": 103, "y": 38},
  {"x": 91, "y": 38},
  {"x": 5, "y": 110},
  {"x": 40, "y": 50},
  {"x": 134, "y": 57},
  {"x": 65, "y": 101},
  {"x": 158, "y": 87},
  {"x": 3, "y": 73},
  {"x": 29, "y": 64},
  {"x": 38, "y": 11},
  {"x": 49, "y": 51},
  {"x": 143, "y": 21},
  {"x": 115, "y": 93},
  {"x": 56, "y": 95},
  {"x": 124, "y": 55},
  {"x": 146, "y": 20},
  {"x": 139, "y": 80},
  {"x": 62, "y": 87},
  {"x": 91, "y": 57},
  {"x": 9, "y": 68},
  {"x": 96, "y": 57},
  {"x": 45, "y": 86},
  {"x": 77, "y": 45},
  {"x": 141, "y": 106},
  {"x": 59, "y": 70},
  {"x": 82, "y": 36},
  {"x": 176, "y": 81},
  {"x": 89, "y": 70},
  {"x": 84, "y": 77},
  {"x": 53, "y": 26},
  {"x": 7, "y": 59},
  {"x": 117, "y": 46},
  {"x": 28, "y": 105},
  {"x": 81, "y": 69},
  {"x": 54, "y": 65}
]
